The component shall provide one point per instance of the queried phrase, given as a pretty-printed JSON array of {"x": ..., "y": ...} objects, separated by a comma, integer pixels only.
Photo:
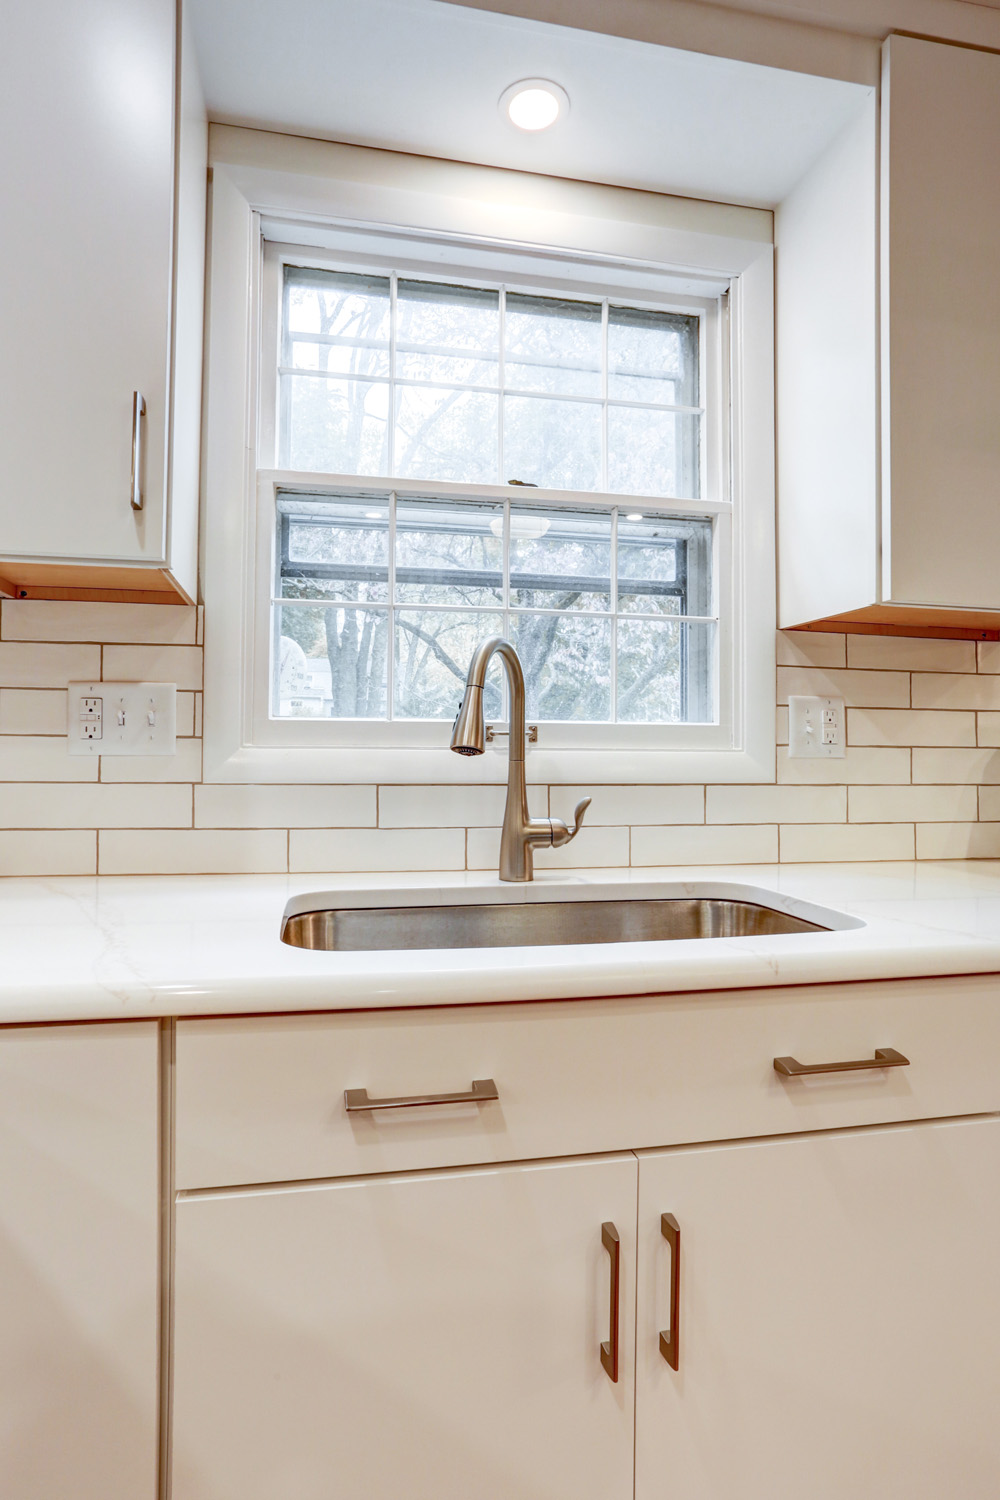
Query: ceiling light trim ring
[{"x": 539, "y": 87}]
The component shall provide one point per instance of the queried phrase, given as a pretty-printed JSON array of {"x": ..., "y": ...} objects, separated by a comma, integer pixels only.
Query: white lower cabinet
[
  {"x": 839, "y": 1317},
  {"x": 432, "y": 1336},
  {"x": 393, "y": 1315},
  {"x": 79, "y": 1262}
]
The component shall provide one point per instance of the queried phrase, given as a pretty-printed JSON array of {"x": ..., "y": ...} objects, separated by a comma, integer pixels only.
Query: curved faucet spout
[
  {"x": 521, "y": 832},
  {"x": 468, "y": 735}
]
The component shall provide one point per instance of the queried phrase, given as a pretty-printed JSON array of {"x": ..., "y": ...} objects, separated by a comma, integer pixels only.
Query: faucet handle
[{"x": 560, "y": 833}]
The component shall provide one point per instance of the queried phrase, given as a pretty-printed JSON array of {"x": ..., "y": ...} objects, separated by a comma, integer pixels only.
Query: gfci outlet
[
  {"x": 122, "y": 718},
  {"x": 817, "y": 728}
]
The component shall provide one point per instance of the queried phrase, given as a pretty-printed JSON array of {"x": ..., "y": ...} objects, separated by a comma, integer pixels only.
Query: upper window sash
[{"x": 711, "y": 407}]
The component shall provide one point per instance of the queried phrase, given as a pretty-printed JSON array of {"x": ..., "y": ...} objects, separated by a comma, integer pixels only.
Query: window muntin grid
[
  {"x": 383, "y": 374},
  {"x": 379, "y": 601}
]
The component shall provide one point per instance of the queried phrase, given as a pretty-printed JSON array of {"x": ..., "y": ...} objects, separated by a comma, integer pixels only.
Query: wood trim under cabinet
[
  {"x": 898, "y": 619},
  {"x": 96, "y": 582}
]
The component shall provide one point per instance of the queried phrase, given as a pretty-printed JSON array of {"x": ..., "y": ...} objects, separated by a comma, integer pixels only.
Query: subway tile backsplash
[{"x": 921, "y": 777}]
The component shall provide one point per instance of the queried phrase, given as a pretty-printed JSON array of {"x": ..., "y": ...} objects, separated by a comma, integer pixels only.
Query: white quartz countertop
[{"x": 116, "y": 947}]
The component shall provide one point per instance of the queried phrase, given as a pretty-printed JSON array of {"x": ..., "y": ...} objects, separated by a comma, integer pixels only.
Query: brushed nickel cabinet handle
[
  {"x": 138, "y": 412},
  {"x": 885, "y": 1057},
  {"x": 482, "y": 1090},
  {"x": 609, "y": 1348},
  {"x": 670, "y": 1346}
]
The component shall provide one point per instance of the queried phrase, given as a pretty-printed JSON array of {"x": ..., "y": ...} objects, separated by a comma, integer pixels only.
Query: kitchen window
[
  {"x": 454, "y": 434},
  {"x": 380, "y": 599}
]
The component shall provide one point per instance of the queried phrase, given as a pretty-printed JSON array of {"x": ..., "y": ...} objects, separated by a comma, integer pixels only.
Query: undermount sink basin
[{"x": 536, "y": 924}]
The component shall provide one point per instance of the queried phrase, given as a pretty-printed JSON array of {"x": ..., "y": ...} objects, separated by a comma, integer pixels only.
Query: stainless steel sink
[{"x": 536, "y": 924}]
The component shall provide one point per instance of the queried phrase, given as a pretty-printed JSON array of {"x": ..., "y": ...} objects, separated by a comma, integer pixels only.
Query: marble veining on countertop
[{"x": 111, "y": 947}]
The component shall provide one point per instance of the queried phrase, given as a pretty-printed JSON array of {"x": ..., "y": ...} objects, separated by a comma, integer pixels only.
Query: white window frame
[{"x": 271, "y": 192}]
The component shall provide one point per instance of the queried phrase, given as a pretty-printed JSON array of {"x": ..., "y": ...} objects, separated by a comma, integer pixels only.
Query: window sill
[{"x": 439, "y": 767}]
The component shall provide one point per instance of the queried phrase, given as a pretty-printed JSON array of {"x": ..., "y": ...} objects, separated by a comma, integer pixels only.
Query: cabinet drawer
[{"x": 262, "y": 1100}]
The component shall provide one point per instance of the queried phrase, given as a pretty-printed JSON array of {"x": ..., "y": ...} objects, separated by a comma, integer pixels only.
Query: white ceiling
[{"x": 424, "y": 76}]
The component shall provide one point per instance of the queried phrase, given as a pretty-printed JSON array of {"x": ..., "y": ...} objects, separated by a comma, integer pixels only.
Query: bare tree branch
[{"x": 438, "y": 651}]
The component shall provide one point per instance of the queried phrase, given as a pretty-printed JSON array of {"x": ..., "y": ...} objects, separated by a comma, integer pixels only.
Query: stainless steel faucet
[{"x": 521, "y": 833}]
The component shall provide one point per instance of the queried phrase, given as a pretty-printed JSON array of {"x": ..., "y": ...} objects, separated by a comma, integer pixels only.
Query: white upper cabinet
[
  {"x": 87, "y": 296},
  {"x": 941, "y": 325},
  {"x": 895, "y": 518}
]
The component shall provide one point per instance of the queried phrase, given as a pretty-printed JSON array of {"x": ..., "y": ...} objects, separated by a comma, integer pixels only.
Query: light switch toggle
[{"x": 122, "y": 718}]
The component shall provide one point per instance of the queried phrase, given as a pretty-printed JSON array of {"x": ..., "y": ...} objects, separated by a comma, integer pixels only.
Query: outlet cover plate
[
  {"x": 817, "y": 728},
  {"x": 113, "y": 718}
]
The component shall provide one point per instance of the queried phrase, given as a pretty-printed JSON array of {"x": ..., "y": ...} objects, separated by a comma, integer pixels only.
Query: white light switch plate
[
  {"x": 817, "y": 728},
  {"x": 122, "y": 718}
]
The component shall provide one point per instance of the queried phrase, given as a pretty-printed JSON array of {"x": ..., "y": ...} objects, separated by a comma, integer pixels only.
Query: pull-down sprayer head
[{"x": 468, "y": 735}]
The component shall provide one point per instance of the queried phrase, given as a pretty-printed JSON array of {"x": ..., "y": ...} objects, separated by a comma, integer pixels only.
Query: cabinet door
[
  {"x": 941, "y": 316},
  {"x": 87, "y": 180},
  {"x": 839, "y": 1317},
  {"x": 433, "y": 1336},
  {"x": 79, "y": 1269}
]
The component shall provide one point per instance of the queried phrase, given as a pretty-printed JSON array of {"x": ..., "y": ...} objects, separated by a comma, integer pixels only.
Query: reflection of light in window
[{"x": 522, "y": 528}]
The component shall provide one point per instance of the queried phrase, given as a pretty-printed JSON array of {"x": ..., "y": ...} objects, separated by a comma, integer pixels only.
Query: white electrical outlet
[
  {"x": 816, "y": 728},
  {"x": 122, "y": 718}
]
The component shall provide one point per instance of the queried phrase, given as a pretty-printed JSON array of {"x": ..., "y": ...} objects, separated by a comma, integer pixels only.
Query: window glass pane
[
  {"x": 335, "y": 426},
  {"x": 449, "y": 435},
  {"x": 567, "y": 665},
  {"x": 653, "y": 453},
  {"x": 552, "y": 346},
  {"x": 663, "y": 566},
  {"x": 449, "y": 333},
  {"x": 596, "y": 408},
  {"x": 336, "y": 321},
  {"x": 330, "y": 663},
  {"x": 449, "y": 553},
  {"x": 560, "y": 559},
  {"x": 665, "y": 672},
  {"x": 335, "y": 358},
  {"x": 433, "y": 650},
  {"x": 553, "y": 444},
  {"x": 653, "y": 356},
  {"x": 333, "y": 549}
]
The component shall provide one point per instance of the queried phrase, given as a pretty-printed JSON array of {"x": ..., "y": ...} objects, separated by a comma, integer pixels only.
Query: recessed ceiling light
[
  {"x": 534, "y": 103},
  {"x": 373, "y": 515},
  {"x": 634, "y": 515}
]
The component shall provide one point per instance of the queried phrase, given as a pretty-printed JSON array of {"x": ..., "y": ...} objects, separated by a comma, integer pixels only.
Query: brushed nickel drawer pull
[
  {"x": 138, "y": 412},
  {"x": 885, "y": 1057},
  {"x": 609, "y": 1347},
  {"x": 482, "y": 1090},
  {"x": 670, "y": 1345}
]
